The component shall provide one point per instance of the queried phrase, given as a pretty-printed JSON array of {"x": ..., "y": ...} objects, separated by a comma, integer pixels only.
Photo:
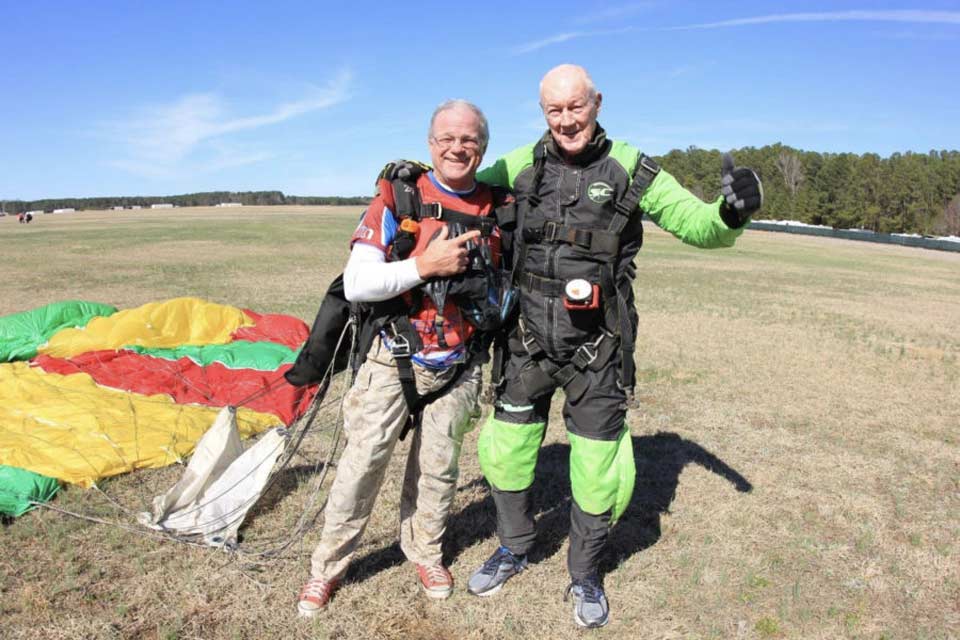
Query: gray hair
[{"x": 448, "y": 105}]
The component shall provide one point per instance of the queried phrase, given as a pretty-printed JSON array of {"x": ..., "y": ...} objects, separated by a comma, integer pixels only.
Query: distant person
[
  {"x": 427, "y": 347},
  {"x": 28, "y": 217},
  {"x": 21, "y": 218}
]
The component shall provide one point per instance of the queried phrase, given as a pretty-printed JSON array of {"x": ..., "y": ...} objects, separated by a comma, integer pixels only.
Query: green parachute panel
[
  {"x": 21, "y": 334},
  {"x": 20, "y": 488},
  {"x": 240, "y": 354}
]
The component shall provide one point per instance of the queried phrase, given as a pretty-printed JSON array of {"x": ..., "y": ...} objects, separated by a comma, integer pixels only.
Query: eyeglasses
[{"x": 467, "y": 142}]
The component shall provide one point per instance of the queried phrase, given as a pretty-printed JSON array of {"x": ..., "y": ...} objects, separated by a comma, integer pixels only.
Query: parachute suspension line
[
  {"x": 110, "y": 499},
  {"x": 298, "y": 430},
  {"x": 312, "y": 510},
  {"x": 270, "y": 387},
  {"x": 148, "y": 533}
]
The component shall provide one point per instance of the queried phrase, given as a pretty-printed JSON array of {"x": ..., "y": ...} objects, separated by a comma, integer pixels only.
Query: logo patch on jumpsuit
[{"x": 600, "y": 192}]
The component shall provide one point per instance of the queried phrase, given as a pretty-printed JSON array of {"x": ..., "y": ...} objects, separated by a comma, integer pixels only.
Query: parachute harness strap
[{"x": 603, "y": 242}]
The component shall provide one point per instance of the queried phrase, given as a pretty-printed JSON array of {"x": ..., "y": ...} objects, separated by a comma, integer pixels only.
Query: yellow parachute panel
[
  {"x": 173, "y": 323},
  {"x": 70, "y": 428}
]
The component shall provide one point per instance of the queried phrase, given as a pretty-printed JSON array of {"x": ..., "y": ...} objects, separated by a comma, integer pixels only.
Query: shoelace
[
  {"x": 436, "y": 574},
  {"x": 490, "y": 566},
  {"x": 590, "y": 590},
  {"x": 316, "y": 588}
]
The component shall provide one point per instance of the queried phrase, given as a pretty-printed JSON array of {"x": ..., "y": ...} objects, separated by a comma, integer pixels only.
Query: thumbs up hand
[{"x": 742, "y": 193}]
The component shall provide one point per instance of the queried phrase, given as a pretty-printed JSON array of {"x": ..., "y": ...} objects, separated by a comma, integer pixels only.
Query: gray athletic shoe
[
  {"x": 499, "y": 568},
  {"x": 590, "y": 607}
]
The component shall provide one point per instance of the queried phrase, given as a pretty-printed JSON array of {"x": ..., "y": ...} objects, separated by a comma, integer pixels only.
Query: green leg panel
[
  {"x": 508, "y": 453},
  {"x": 602, "y": 474}
]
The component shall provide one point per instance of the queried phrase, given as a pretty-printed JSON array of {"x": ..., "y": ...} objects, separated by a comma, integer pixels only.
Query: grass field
[{"x": 797, "y": 445}]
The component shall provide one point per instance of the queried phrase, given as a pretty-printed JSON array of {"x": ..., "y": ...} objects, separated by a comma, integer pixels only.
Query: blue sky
[{"x": 159, "y": 98}]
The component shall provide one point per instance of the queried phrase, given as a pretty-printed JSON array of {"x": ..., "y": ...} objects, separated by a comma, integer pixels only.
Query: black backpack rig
[
  {"x": 618, "y": 316},
  {"x": 483, "y": 293}
]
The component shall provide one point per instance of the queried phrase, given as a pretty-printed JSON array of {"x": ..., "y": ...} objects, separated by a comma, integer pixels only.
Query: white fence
[{"x": 940, "y": 244}]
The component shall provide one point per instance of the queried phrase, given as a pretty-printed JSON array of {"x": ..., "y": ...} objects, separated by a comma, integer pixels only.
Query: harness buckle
[
  {"x": 631, "y": 398},
  {"x": 526, "y": 337},
  {"x": 401, "y": 346},
  {"x": 551, "y": 231},
  {"x": 588, "y": 357},
  {"x": 528, "y": 341},
  {"x": 649, "y": 165},
  {"x": 432, "y": 210},
  {"x": 487, "y": 227}
]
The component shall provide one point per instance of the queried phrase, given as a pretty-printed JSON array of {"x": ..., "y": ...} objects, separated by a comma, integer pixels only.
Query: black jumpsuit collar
[{"x": 596, "y": 148}]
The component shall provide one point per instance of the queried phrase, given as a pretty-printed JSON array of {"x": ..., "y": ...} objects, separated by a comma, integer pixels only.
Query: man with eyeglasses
[
  {"x": 580, "y": 199},
  {"x": 414, "y": 264}
]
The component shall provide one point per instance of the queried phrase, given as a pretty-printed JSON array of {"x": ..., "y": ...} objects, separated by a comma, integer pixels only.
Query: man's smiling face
[
  {"x": 570, "y": 106},
  {"x": 456, "y": 147}
]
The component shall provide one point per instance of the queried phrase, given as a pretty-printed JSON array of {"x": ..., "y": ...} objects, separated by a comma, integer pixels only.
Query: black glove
[
  {"x": 742, "y": 191},
  {"x": 408, "y": 170}
]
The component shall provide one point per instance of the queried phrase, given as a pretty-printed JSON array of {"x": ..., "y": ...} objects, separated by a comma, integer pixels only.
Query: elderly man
[
  {"x": 402, "y": 260},
  {"x": 580, "y": 198}
]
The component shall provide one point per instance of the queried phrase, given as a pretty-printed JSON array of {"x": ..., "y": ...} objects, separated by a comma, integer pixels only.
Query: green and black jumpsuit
[{"x": 567, "y": 207}]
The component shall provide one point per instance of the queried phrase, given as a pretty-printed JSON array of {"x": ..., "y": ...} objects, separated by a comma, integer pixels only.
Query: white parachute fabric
[{"x": 220, "y": 484}]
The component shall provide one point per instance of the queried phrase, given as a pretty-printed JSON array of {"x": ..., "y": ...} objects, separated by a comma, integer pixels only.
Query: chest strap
[
  {"x": 544, "y": 286},
  {"x": 600, "y": 241},
  {"x": 436, "y": 211},
  {"x": 594, "y": 240}
]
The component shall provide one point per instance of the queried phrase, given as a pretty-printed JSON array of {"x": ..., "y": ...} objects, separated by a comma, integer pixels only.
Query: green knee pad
[
  {"x": 602, "y": 474},
  {"x": 508, "y": 453}
]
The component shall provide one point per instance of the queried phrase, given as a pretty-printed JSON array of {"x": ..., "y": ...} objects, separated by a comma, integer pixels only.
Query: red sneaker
[
  {"x": 315, "y": 595},
  {"x": 436, "y": 580}
]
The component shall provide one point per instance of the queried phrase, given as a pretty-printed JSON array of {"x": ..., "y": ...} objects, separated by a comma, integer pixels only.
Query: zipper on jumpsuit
[{"x": 553, "y": 267}]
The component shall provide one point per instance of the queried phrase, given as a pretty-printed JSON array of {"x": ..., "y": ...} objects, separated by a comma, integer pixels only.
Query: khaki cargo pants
[{"x": 374, "y": 413}]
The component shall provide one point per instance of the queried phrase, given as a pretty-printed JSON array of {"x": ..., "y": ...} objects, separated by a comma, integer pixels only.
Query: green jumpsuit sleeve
[
  {"x": 676, "y": 210},
  {"x": 504, "y": 171}
]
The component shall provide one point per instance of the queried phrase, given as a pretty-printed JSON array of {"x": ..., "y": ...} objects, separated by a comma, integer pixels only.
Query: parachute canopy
[{"x": 90, "y": 392}]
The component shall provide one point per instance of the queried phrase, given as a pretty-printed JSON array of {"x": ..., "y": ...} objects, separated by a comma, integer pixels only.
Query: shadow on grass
[{"x": 660, "y": 459}]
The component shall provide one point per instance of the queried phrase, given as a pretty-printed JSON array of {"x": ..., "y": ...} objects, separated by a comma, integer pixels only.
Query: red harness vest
[{"x": 480, "y": 202}]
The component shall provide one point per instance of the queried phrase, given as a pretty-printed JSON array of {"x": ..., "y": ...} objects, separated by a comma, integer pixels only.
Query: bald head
[
  {"x": 570, "y": 103},
  {"x": 567, "y": 76}
]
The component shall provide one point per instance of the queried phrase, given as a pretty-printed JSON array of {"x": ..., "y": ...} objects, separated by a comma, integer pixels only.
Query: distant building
[
  {"x": 135, "y": 206},
  {"x": 162, "y": 205},
  {"x": 68, "y": 210},
  {"x": 35, "y": 212},
  {"x": 230, "y": 204},
  {"x": 117, "y": 208}
]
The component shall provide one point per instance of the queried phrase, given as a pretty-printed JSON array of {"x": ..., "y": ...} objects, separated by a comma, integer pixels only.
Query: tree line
[
  {"x": 204, "y": 199},
  {"x": 905, "y": 193}
]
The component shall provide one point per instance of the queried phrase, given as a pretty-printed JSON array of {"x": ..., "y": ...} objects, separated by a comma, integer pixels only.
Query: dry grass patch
[{"x": 796, "y": 445}]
